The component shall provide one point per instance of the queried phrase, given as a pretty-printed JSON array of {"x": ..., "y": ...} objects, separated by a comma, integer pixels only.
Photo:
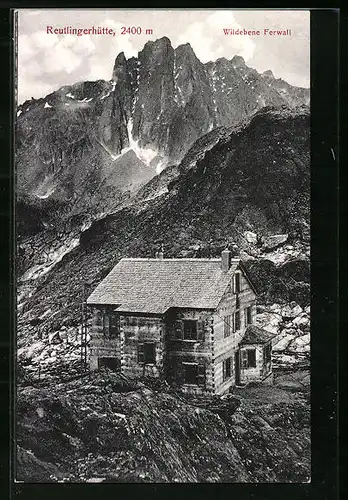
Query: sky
[{"x": 46, "y": 62}]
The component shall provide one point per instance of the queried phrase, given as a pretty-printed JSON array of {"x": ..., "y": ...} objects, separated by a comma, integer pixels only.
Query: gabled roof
[
  {"x": 155, "y": 285},
  {"x": 255, "y": 335}
]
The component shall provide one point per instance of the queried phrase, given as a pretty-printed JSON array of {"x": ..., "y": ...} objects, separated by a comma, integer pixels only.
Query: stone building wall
[
  {"x": 135, "y": 331},
  {"x": 226, "y": 347},
  {"x": 101, "y": 347},
  {"x": 181, "y": 352}
]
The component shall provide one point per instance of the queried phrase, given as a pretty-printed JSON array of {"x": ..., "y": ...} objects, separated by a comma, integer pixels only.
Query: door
[{"x": 237, "y": 367}]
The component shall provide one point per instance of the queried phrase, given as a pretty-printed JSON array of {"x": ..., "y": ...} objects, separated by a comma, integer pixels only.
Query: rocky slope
[
  {"x": 234, "y": 194},
  {"x": 105, "y": 428},
  {"x": 238, "y": 175}
]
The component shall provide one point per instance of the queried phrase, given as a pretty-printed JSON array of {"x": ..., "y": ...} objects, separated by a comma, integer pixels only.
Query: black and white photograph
[{"x": 162, "y": 200}]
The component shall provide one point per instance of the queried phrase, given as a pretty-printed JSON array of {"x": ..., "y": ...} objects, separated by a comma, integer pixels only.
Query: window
[
  {"x": 236, "y": 322},
  {"x": 190, "y": 329},
  {"x": 227, "y": 368},
  {"x": 267, "y": 353},
  {"x": 147, "y": 353},
  {"x": 248, "y": 358},
  {"x": 237, "y": 283},
  {"x": 111, "y": 325},
  {"x": 227, "y": 326},
  {"x": 247, "y": 316},
  {"x": 111, "y": 363},
  {"x": 194, "y": 374}
]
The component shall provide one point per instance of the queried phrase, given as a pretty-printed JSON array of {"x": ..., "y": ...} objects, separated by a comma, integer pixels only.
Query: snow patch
[
  {"x": 48, "y": 193},
  {"x": 47, "y": 105},
  {"x": 146, "y": 155},
  {"x": 70, "y": 95},
  {"x": 85, "y": 99},
  {"x": 113, "y": 156},
  {"x": 19, "y": 112},
  {"x": 111, "y": 90}
]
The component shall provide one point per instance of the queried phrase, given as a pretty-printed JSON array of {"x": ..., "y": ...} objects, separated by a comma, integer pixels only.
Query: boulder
[
  {"x": 295, "y": 311},
  {"x": 276, "y": 308},
  {"x": 245, "y": 256},
  {"x": 301, "y": 320},
  {"x": 63, "y": 335},
  {"x": 250, "y": 237},
  {"x": 54, "y": 338},
  {"x": 300, "y": 344},
  {"x": 290, "y": 331},
  {"x": 268, "y": 321},
  {"x": 286, "y": 312},
  {"x": 282, "y": 341},
  {"x": 272, "y": 242}
]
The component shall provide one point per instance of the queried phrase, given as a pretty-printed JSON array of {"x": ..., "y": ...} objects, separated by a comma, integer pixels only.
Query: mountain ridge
[
  {"x": 157, "y": 104},
  {"x": 233, "y": 188}
]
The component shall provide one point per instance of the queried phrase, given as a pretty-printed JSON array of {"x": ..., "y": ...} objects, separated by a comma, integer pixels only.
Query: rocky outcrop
[
  {"x": 74, "y": 141},
  {"x": 275, "y": 241},
  {"x": 286, "y": 282},
  {"x": 234, "y": 187},
  {"x": 102, "y": 427},
  {"x": 291, "y": 326}
]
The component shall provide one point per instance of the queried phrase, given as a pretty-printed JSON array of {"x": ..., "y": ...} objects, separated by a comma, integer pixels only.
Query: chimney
[
  {"x": 161, "y": 252},
  {"x": 226, "y": 257}
]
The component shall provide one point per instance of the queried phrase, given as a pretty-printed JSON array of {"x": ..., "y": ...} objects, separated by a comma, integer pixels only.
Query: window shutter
[
  {"x": 244, "y": 359},
  {"x": 141, "y": 357},
  {"x": 227, "y": 368},
  {"x": 114, "y": 324},
  {"x": 200, "y": 331},
  {"x": 201, "y": 375},
  {"x": 106, "y": 324},
  {"x": 237, "y": 282},
  {"x": 237, "y": 320},
  {"x": 178, "y": 329},
  {"x": 99, "y": 318}
]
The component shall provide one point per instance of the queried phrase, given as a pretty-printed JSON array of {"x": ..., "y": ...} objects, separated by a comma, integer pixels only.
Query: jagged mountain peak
[
  {"x": 160, "y": 44},
  {"x": 185, "y": 48},
  {"x": 120, "y": 59},
  {"x": 238, "y": 61},
  {"x": 222, "y": 60},
  {"x": 157, "y": 105}
]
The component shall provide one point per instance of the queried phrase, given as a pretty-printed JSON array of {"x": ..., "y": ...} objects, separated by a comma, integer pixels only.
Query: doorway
[{"x": 237, "y": 368}]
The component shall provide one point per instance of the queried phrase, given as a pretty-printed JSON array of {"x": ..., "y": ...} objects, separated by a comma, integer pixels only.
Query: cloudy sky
[{"x": 48, "y": 61}]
